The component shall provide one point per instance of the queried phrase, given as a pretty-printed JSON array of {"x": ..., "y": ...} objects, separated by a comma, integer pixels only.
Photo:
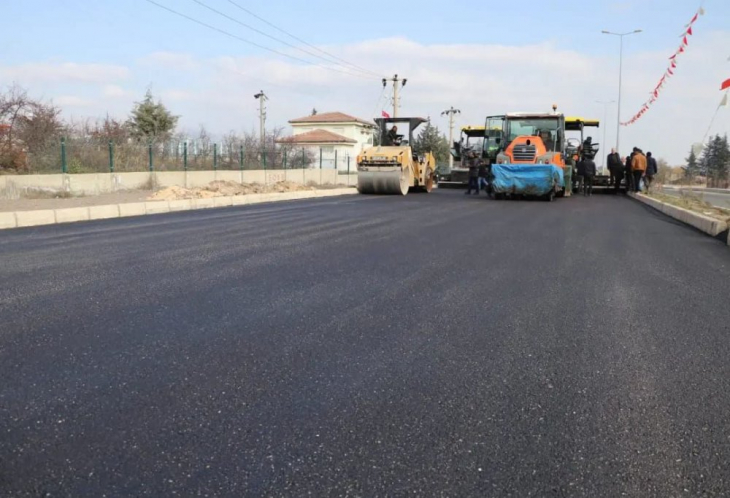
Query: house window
[{"x": 328, "y": 149}]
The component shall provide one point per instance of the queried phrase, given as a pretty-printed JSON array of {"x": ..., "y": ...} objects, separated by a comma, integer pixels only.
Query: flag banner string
[{"x": 669, "y": 72}]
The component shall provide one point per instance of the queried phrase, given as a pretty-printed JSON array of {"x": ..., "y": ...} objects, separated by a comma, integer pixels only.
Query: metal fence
[{"x": 81, "y": 156}]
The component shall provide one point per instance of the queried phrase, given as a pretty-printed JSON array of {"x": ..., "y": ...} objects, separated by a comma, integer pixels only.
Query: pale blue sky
[{"x": 116, "y": 47}]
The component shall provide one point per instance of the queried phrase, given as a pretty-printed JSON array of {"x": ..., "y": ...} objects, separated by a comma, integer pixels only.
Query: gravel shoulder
[{"x": 70, "y": 202}]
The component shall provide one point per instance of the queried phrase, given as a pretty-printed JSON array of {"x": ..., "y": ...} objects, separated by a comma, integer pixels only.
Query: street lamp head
[
  {"x": 606, "y": 32},
  {"x": 637, "y": 31}
]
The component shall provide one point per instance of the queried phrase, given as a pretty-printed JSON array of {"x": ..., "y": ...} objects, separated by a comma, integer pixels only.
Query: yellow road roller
[{"x": 393, "y": 167}]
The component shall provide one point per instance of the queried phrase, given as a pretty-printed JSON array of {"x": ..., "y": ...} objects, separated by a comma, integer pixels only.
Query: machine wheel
[
  {"x": 430, "y": 180},
  {"x": 550, "y": 196}
]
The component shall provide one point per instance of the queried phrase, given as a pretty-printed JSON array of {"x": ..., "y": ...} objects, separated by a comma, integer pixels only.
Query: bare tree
[{"x": 28, "y": 127}]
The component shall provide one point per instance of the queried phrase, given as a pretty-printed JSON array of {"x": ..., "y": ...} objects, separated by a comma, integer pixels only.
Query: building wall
[
  {"x": 328, "y": 155},
  {"x": 17, "y": 186},
  {"x": 355, "y": 131}
]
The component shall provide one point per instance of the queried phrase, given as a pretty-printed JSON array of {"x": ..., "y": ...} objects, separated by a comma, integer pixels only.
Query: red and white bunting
[{"x": 670, "y": 70}]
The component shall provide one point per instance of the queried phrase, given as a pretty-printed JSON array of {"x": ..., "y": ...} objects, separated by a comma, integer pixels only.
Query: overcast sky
[{"x": 93, "y": 57}]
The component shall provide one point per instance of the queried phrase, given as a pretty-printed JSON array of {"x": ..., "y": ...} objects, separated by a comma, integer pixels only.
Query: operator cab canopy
[
  {"x": 404, "y": 134},
  {"x": 547, "y": 126}
]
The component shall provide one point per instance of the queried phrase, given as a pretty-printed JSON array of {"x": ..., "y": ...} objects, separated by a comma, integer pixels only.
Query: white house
[{"x": 330, "y": 133}]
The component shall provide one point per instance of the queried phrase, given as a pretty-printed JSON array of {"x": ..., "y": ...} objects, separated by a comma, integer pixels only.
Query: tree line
[
  {"x": 713, "y": 163},
  {"x": 31, "y": 130}
]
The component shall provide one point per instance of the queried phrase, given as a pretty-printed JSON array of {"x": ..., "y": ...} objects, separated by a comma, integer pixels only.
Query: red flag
[
  {"x": 693, "y": 19},
  {"x": 689, "y": 30},
  {"x": 684, "y": 40},
  {"x": 674, "y": 64},
  {"x": 670, "y": 72},
  {"x": 681, "y": 49},
  {"x": 725, "y": 85},
  {"x": 672, "y": 57},
  {"x": 384, "y": 114}
]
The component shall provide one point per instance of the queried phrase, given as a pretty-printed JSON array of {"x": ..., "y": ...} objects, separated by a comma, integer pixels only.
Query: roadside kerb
[
  {"x": 711, "y": 226},
  {"x": 17, "y": 219}
]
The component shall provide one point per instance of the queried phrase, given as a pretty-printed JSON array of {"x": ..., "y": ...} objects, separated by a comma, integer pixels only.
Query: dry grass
[{"x": 692, "y": 201}]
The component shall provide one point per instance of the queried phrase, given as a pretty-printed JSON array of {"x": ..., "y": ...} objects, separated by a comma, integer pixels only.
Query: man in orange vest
[{"x": 638, "y": 167}]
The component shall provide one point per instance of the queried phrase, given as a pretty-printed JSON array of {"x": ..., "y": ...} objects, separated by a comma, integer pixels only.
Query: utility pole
[
  {"x": 620, "y": 74},
  {"x": 451, "y": 112},
  {"x": 262, "y": 98},
  {"x": 397, "y": 85},
  {"x": 605, "y": 122}
]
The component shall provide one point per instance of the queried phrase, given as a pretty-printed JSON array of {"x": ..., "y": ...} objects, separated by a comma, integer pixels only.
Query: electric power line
[
  {"x": 189, "y": 18},
  {"x": 300, "y": 40},
  {"x": 380, "y": 99},
  {"x": 223, "y": 14}
]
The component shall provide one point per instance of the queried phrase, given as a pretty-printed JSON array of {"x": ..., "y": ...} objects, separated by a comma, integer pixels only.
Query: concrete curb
[
  {"x": 17, "y": 219},
  {"x": 706, "y": 224}
]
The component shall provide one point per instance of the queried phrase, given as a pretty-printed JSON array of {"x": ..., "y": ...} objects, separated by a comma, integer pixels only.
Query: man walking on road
[
  {"x": 473, "y": 174},
  {"x": 651, "y": 170},
  {"x": 589, "y": 172},
  {"x": 638, "y": 167},
  {"x": 614, "y": 165}
]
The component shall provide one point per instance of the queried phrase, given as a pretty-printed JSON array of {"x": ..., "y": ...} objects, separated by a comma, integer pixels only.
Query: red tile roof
[
  {"x": 331, "y": 117},
  {"x": 317, "y": 137}
]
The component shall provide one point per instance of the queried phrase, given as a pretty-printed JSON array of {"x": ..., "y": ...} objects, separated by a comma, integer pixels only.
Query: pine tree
[
  {"x": 723, "y": 160},
  {"x": 715, "y": 161},
  {"x": 432, "y": 140},
  {"x": 692, "y": 169},
  {"x": 151, "y": 121}
]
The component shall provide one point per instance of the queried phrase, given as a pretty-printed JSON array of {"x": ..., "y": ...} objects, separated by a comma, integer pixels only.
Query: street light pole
[
  {"x": 620, "y": 71},
  {"x": 605, "y": 119},
  {"x": 450, "y": 113}
]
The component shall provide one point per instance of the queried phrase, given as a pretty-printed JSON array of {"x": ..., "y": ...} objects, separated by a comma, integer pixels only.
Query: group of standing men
[{"x": 634, "y": 168}]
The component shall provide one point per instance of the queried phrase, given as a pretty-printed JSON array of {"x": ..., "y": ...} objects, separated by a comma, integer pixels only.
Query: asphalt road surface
[
  {"x": 433, "y": 345},
  {"x": 714, "y": 198}
]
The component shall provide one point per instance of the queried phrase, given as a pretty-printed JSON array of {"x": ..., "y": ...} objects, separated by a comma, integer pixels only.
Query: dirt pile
[{"x": 222, "y": 189}]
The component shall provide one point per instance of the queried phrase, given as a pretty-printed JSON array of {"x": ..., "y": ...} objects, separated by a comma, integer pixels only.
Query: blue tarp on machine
[{"x": 527, "y": 179}]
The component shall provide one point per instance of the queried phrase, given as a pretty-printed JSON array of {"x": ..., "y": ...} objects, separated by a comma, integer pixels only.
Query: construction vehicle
[
  {"x": 531, "y": 157},
  {"x": 473, "y": 139},
  {"x": 393, "y": 167},
  {"x": 578, "y": 148}
]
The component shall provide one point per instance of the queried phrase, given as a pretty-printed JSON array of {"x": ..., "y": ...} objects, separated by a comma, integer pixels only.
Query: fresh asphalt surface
[{"x": 432, "y": 345}]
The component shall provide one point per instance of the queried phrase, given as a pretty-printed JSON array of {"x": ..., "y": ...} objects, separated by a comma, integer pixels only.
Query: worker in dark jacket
[
  {"x": 618, "y": 175},
  {"x": 589, "y": 172},
  {"x": 629, "y": 174},
  {"x": 614, "y": 164},
  {"x": 484, "y": 176},
  {"x": 580, "y": 171},
  {"x": 473, "y": 174},
  {"x": 392, "y": 137},
  {"x": 651, "y": 170}
]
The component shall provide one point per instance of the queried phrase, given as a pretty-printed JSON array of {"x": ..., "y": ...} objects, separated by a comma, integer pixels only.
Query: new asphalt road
[{"x": 432, "y": 345}]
